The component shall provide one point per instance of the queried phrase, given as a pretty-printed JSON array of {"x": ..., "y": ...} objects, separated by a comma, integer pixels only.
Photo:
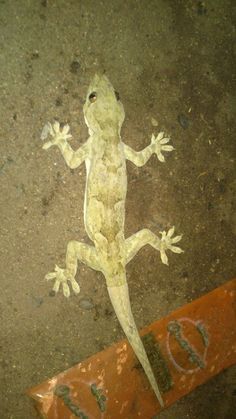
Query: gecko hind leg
[
  {"x": 135, "y": 242},
  {"x": 75, "y": 251}
]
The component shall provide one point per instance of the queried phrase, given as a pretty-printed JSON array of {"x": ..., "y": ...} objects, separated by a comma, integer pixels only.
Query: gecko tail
[{"x": 119, "y": 296}]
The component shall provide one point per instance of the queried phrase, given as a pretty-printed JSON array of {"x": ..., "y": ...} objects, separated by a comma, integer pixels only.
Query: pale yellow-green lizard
[{"x": 105, "y": 157}]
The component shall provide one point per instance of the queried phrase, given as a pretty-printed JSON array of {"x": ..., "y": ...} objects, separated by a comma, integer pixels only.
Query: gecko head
[{"x": 103, "y": 109}]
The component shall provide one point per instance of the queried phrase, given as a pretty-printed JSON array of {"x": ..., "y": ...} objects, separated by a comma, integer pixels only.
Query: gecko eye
[
  {"x": 117, "y": 95},
  {"x": 93, "y": 97}
]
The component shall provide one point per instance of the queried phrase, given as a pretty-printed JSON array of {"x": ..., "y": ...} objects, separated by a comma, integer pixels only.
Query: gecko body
[{"x": 105, "y": 156}]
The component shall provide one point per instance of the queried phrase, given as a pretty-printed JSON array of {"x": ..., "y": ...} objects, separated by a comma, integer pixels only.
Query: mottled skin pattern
[{"x": 105, "y": 157}]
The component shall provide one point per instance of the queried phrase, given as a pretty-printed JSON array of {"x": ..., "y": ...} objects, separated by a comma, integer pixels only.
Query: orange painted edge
[{"x": 186, "y": 348}]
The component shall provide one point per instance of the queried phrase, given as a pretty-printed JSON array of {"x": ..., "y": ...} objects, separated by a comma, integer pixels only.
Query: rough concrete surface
[{"x": 173, "y": 63}]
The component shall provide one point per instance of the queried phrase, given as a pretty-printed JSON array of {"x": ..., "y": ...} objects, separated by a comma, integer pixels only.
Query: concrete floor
[{"x": 173, "y": 63}]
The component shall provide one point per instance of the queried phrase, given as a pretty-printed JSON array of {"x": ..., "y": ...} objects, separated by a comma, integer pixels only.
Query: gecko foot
[
  {"x": 167, "y": 242},
  {"x": 58, "y": 135},
  {"x": 160, "y": 144},
  {"x": 62, "y": 276}
]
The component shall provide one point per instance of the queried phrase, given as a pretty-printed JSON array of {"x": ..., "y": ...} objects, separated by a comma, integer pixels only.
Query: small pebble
[
  {"x": 154, "y": 122},
  {"x": 86, "y": 304}
]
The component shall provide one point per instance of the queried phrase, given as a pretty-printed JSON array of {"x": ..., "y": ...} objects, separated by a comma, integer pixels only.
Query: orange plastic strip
[{"x": 186, "y": 348}]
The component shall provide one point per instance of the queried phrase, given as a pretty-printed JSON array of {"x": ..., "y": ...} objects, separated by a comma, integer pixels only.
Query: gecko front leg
[
  {"x": 157, "y": 145},
  {"x": 75, "y": 251},
  {"x": 60, "y": 137},
  {"x": 135, "y": 242}
]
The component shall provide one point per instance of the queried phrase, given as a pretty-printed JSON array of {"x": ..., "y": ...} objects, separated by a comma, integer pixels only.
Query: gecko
[{"x": 105, "y": 155}]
